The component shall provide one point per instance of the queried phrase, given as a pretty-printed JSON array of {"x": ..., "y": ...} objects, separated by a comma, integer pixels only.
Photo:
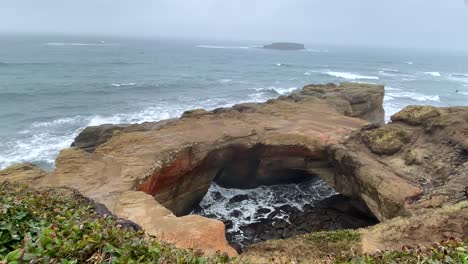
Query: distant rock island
[{"x": 285, "y": 46}]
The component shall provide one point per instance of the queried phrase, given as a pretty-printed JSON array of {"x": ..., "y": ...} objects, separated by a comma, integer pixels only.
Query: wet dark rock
[
  {"x": 264, "y": 210},
  {"x": 236, "y": 213},
  {"x": 239, "y": 198},
  {"x": 102, "y": 210},
  {"x": 217, "y": 195},
  {"x": 335, "y": 212}
]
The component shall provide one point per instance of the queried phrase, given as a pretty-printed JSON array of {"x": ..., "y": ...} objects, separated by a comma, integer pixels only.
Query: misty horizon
[{"x": 403, "y": 24}]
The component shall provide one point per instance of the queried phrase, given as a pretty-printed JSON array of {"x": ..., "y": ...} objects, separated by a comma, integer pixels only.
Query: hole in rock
[
  {"x": 282, "y": 210},
  {"x": 260, "y": 192}
]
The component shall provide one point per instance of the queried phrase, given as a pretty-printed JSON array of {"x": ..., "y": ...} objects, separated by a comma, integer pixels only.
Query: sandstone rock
[
  {"x": 422, "y": 229},
  {"x": 386, "y": 140},
  {"x": 154, "y": 173},
  {"x": 22, "y": 173},
  {"x": 425, "y": 166},
  {"x": 416, "y": 115}
]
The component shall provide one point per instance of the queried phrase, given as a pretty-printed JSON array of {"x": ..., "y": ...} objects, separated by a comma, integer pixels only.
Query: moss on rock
[
  {"x": 386, "y": 139},
  {"x": 416, "y": 114}
]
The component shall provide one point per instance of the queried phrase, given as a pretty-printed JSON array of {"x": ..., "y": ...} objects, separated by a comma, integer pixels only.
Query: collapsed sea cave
[
  {"x": 281, "y": 211},
  {"x": 260, "y": 192}
]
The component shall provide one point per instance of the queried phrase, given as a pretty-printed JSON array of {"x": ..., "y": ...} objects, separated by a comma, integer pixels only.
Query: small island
[{"x": 285, "y": 46}]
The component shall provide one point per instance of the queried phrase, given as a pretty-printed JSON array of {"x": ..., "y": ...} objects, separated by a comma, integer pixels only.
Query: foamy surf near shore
[{"x": 45, "y": 103}]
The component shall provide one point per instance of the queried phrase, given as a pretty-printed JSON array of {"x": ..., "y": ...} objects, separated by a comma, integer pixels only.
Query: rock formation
[
  {"x": 413, "y": 175},
  {"x": 285, "y": 46},
  {"x": 154, "y": 173},
  {"x": 417, "y": 161},
  {"x": 150, "y": 173}
]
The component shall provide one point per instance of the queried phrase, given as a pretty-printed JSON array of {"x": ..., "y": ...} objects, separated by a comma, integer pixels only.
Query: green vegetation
[
  {"x": 386, "y": 139},
  {"x": 450, "y": 251},
  {"x": 333, "y": 242},
  {"x": 61, "y": 226}
]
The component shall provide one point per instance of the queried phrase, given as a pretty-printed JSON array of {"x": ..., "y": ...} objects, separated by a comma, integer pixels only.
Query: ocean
[{"x": 52, "y": 87}]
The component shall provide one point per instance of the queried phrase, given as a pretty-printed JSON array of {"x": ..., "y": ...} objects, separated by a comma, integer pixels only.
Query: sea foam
[
  {"x": 350, "y": 76},
  {"x": 434, "y": 74}
]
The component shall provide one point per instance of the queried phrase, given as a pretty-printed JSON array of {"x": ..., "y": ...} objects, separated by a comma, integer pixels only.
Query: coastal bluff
[{"x": 154, "y": 173}]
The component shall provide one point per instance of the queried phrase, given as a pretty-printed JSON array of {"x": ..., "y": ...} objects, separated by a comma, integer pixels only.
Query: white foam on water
[
  {"x": 409, "y": 62},
  {"x": 414, "y": 96},
  {"x": 391, "y": 108},
  {"x": 122, "y": 84},
  {"x": 36, "y": 147},
  {"x": 389, "y": 88},
  {"x": 433, "y": 74},
  {"x": 277, "y": 90},
  {"x": 350, "y": 76},
  {"x": 225, "y": 80},
  {"x": 216, "y": 202},
  {"x": 58, "y": 122},
  {"x": 307, "y": 73},
  {"x": 458, "y": 77}
]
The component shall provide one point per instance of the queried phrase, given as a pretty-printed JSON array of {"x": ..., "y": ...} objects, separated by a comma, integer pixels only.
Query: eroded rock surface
[
  {"x": 417, "y": 161},
  {"x": 153, "y": 172}
]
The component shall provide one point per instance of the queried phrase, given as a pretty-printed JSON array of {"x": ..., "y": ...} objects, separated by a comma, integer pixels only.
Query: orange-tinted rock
[{"x": 174, "y": 162}]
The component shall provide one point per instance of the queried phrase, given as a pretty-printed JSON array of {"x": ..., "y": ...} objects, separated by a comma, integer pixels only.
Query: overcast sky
[{"x": 403, "y": 23}]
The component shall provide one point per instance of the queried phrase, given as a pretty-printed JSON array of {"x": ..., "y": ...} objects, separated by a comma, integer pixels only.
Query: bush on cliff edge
[{"x": 61, "y": 226}]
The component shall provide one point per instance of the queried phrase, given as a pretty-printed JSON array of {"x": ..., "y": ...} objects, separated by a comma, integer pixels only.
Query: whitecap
[
  {"x": 434, "y": 74},
  {"x": 350, "y": 76},
  {"x": 225, "y": 80},
  {"x": 307, "y": 73},
  {"x": 390, "y": 88},
  {"x": 258, "y": 97},
  {"x": 39, "y": 147},
  {"x": 277, "y": 90},
  {"x": 122, "y": 84},
  {"x": 388, "y": 98},
  {"x": 415, "y": 96},
  {"x": 459, "y": 77},
  {"x": 409, "y": 62},
  {"x": 58, "y": 122},
  {"x": 100, "y": 120}
]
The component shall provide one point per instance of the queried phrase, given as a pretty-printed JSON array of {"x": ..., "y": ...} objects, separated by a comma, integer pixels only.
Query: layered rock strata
[{"x": 150, "y": 173}]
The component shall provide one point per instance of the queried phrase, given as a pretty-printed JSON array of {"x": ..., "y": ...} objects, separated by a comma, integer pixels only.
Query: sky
[{"x": 397, "y": 23}]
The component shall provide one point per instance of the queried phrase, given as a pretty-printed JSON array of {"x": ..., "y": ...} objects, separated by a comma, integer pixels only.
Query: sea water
[{"x": 52, "y": 87}]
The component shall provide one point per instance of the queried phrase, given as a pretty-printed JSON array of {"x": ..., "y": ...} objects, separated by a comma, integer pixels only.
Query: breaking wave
[
  {"x": 122, "y": 84},
  {"x": 217, "y": 202},
  {"x": 433, "y": 74},
  {"x": 350, "y": 76},
  {"x": 414, "y": 96}
]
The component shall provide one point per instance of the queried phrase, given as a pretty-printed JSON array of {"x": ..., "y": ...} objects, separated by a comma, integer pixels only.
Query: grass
[
  {"x": 448, "y": 251},
  {"x": 61, "y": 226},
  {"x": 334, "y": 243},
  {"x": 52, "y": 226}
]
